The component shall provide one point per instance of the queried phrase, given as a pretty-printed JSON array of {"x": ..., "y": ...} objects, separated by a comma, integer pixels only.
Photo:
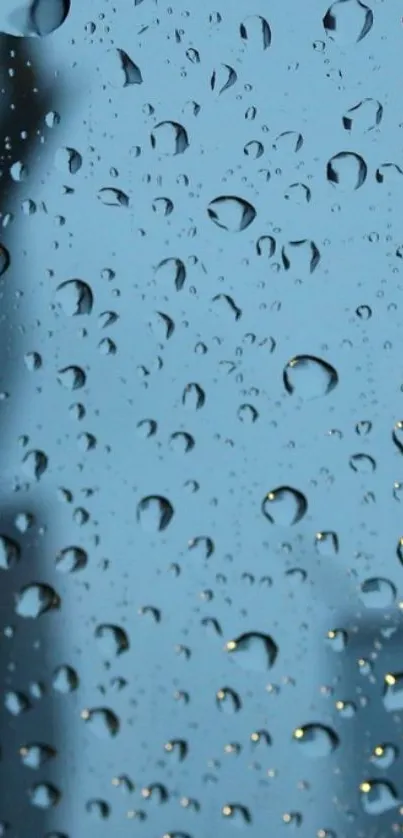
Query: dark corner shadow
[
  {"x": 366, "y": 789},
  {"x": 27, "y": 646}
]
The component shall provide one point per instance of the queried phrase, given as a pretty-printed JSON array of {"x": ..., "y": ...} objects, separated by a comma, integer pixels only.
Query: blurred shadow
[
  {"x": 27, "y": 652},
  {"x": 367, "y": 788}
]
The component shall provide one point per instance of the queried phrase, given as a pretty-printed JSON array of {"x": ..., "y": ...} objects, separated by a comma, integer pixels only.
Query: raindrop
[
  {"x": 10, "y": 552},
  {"x": 74, "y": 297},
  {"x": 193, "y": 397},
  {"x": 147, "y": 428},
  {"x": 231, "y": 213},
  {"x": 181, "y": 442},
  {"x": 4, "y": 259},
  {"x": 35, "y": 755},
  {"x": 253, "y": 651},
  {"x": 383, "y": 756},
  {"x": 309, "y": 377},
  {"x": 298, "y": 193},
  {"x": 32, "y": 18},
  {"x": 112, "y": 640},
  {"x": 70, "y": 559},
  {"x": 44, "y": 795},
  {"x": 388, "y": 172},
  {"x": 240, "y": 815},
  {"x": 71, "y": 378},
  {"x": 130, "y": 73},
  {"x": 346, "y": 170},
  {"x": 247, "y": 414},
  {"x": 169, "y": 138},
  {"x": 253, "y": 149},
  {"x": 35, "y": 464},
  {"x": 289, "y": 142},
  {"x": 223, "y": 78},
  {"x": 327, "y": 543},
  {"x": 111, "y": 197},
  {"x": 16, "y": 702},
  {"x": 284, "y": 506},
  {"x": 154, "y": 513},
  {"x": 102, "y": 722},
  {"x": 228, "y": 701},
  {"x": 337, "y": 639},
  {"x": 378, "y": 796},
  {"x": 65, "y": 679},
  {"x": 68, "y": 161},
  {"x": 266, "y": 246},
  {"x": 34, "y": 600},
  {"x": 316, "y": 740},
  {"x": 173, "y": 272},
  {"x": 99, "y": 808},
  {"x": 378, "y": 593},
  {"x": 303, "y": 252},
  {"x": 201, "y": 547},
  {"x": 362, "y": 463},
  {"x": 364, "y": 116},
  {"x": 348, "y": 21},
  {"x": 256, "y": 31}
]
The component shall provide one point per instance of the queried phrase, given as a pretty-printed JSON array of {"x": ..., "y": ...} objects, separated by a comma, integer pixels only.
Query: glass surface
[{"x": 202, "y": 419}]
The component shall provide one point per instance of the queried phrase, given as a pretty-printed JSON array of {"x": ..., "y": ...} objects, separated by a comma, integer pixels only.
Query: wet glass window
[{"x": 201, "y": 414}]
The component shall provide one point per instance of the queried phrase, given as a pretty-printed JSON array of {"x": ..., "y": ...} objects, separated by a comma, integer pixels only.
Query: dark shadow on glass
[
  {"x": 27, "y": 646},
  {"x": 366, "y": 789}
]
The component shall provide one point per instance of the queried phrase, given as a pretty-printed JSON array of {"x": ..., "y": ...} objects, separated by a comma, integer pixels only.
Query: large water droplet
[
  {"x": 172, "y": 271},
  {"x": 316, "y": 740},
  {"x": 154, "y": 513},
  {"x": 34, "y": 600},
  {"x": 71, "y": 378},
  {"x": 253, "y": 651},
  {"x": 309, "y": 377},
  {"x": 71, "y": 559},
  {"x": 231, "y": 213},
  {"x": 378, "y": 593},
  {"x": 284, "y": 506},
  {"x": 35, "y": 755},
  {"x": 169, "y": 138},
  {"x": 4, "y": 259},
  {"x": 348, "y": 21},
  {"x": 44, "y": 795},
  {"x": 256, "y": 31},
  {"x": 364, "y": 116},
  {"x": 378, "y": 796},
  {"x": 74, "y": 297},
  {"x": 34, "y": 464},
  {"x": 346, "y": 170},
  {"x": 228, "y": 700},
  {"x": 32, "y": 18}
]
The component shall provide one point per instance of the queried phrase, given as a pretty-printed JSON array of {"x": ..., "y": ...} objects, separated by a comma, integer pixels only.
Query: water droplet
[
  {"x": 102, "y": 722},
  {"x": 362, "y": 463},
  {"x": 172, "y": 272},
  {"x": 181, "y": 442},
  {"x": 71, "y": 559},
  {"x": 68, "y": 161},
  {"x": 169, "y": 138},
  {"x": 389, "y": 172},
  {"x": 154, "y": 513},
  {"x": 111, "y": 197},
  {"x": 378, "y": 796},
  {"x": 35, "y": 755},
  {"x": 65, "y": 679},
  {"x": 228, "y": 701},
  {"x": 309, "y": 377},
  {"x": 74, "y": 297},
  {"x": 327, "y": 543},
  {"x": 316, "y": 740},
  {"x": 348, "y": 21},
  {"x": 253, "y": 651},
  {"x": 346, "y": 170},
  {"x": 383, "y": 756},
  {"x": 4, "y": 259},
  {"x": 193, "y": 397},
  {"x": 112, "y": 640},
  {"x": 256, "y": 31},
  {"x": 34, "y": 600},
  {"x": 44, "y": 795},
  {"x": 130, "y": 73},
  {"x": 71, "y": 378},
  {"x": 16, "y": 702},
  {"x": 32, "y": 18},
  {"x": 247, "y": 414},
  {"x": 240, "y": 815},
  {"x": 231, "y": 213},
  {"x": 364, "y": 116},
  {"x": 378, "y": 593},
  {"x": 223, "y": 78},
  {"x": 98, "y": 808},
  {"x": 10, "y": 552},
  {"x": 284, "y": 506},
  {"x": 266, "y": 246},
  {"x": 298, "y": 254},
  {"x": 202, "y": 547},
  {"x": 337, "y": 639}
]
